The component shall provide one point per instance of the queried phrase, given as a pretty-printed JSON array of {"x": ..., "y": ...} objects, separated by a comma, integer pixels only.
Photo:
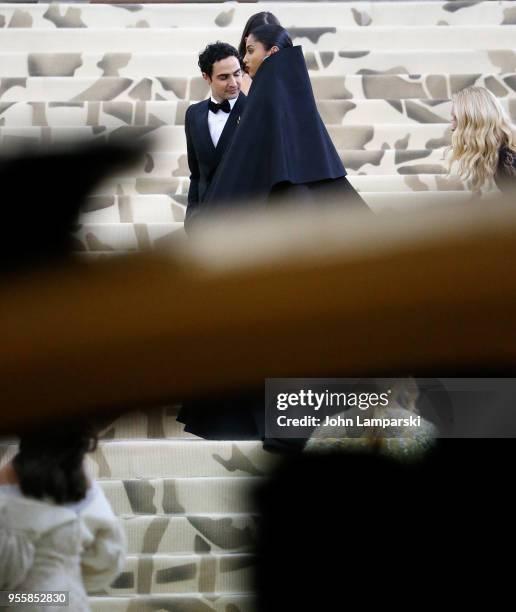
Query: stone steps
[
  {"x": 177, "y": 189},
  {"x": 163, "y": 88},
  {"x": 378, "y": 161},
  {"x": 192, "y": 40},
  {"x": 234, "y": 602},
  {"x": 166, "y": 496},
  {"x": 180, "y": 535},
  {"x": 134, "y": 458},
  {"x": 98, "y": 116},
  {"x": 170, "y": 139},
  {"x": 201, "y": 573},
  {"x": 131, "y": 64},
  {"x": 232, "y": 14}
]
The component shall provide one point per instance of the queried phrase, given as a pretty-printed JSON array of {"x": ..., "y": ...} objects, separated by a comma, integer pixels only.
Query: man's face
[{"x": 226, "y": 79}]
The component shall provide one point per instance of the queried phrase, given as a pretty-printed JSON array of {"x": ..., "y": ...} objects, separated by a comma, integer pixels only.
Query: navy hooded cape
[{"x": 280, "y": 137}]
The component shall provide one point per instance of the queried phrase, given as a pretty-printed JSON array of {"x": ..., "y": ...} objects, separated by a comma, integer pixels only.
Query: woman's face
[{"x": 255, "y": 54}]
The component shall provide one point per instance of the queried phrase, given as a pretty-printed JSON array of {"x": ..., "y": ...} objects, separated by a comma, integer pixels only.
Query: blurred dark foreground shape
[
  {"x": 344, "y": 527},
  {"x": 43, "y": 193},
  {"x": 431, "y": 292}
]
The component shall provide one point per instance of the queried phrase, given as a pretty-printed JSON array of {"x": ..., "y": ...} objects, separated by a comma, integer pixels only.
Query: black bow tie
[{"x": 223, "y": 106}]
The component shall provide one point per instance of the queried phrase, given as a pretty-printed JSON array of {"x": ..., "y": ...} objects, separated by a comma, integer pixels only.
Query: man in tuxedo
[{"x": 211, "y": 124}]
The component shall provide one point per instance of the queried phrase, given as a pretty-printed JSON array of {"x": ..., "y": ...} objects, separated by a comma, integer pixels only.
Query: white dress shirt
[{"x": 217, "y": 121}]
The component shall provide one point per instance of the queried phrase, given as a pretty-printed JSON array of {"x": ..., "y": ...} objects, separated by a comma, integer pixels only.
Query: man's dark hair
[{"x": 214, "y": 53}]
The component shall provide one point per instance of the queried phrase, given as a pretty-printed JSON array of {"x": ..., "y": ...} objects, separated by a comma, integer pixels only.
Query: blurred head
[
  {"x": 480, "y": 127},
  {"x": 263, "y": 42},
  {"x": 50, "y": 461},
  {"x": 221, "y": 68},
  {"x": 256, "y": 20}
]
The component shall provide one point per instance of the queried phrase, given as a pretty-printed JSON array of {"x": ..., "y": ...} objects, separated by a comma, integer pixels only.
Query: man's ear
[
  {"x": 206, "y": 77},
  {"x": 274, "y": 49}
]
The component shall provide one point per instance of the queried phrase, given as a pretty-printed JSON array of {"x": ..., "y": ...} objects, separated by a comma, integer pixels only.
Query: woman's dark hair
[
  {"x": 214, "y": 53},
  {"x": 272, "y": 35},
  {"x": 49, "y": 462},
  {"x": 256, "y": 20}
]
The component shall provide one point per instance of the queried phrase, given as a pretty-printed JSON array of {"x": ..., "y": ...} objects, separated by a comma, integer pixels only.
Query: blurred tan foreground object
[{"x": 256, "y": 297}]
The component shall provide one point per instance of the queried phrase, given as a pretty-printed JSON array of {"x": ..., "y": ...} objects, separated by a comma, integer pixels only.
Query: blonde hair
[{"x": 483, "y": 128}]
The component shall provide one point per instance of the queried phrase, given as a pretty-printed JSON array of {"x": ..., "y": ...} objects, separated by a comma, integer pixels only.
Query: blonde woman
[{"x": 483, "y": 140}]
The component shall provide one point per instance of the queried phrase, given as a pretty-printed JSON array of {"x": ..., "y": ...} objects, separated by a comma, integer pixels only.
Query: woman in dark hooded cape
[{"x": 281, "y": 147}]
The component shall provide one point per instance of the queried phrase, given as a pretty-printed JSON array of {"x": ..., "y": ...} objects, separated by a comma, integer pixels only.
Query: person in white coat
[{"x": 57, "y": 529}]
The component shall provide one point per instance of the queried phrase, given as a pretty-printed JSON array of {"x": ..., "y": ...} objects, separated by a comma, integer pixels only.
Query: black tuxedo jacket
[{"x": 203, "y": 156}]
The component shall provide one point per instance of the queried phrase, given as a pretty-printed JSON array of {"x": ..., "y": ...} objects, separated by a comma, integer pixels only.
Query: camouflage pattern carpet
[
  {"x": 383, "y": 74},
  {"x": 187, "y": 508}
]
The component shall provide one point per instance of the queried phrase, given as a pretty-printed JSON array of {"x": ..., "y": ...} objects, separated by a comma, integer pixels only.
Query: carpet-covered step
[
  {"x": 381, "y": 161},
  {"x": 151, "y": 208},
  {"x": 100, "y": 237},
  {"x": 158, "y": 422},
  {"x": 115, "y": 236},
  {"x": 350, "y": 87},
  {"x": 92, "y": 114},
  {"x": 179, "y": 535},
  {"x": 178, "y": 188},
  {"x": 410, "y": 86},
  {"x": 404, "y": 201},
  {"x": 298, "y": 14},
  {"x": 201, "y": 573},
  {"x": 100, "y": 221},
  {"x": 163, "y": 496},
  {"x": 190, "y": 40},
  {"x": 132, "y": 63},
  {"x": 233, "y": 602},
  {"x": 142, "y": 185},
  {"x": 170, "y": 139},
  {"x": 179, "y": 459},
  {"x": 407, "y": 182},
  {"x": 155, "y": 113}
]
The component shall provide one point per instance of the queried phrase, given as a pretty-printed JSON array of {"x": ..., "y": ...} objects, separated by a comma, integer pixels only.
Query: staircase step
[
  {"x": 177, "y": 189},
  {"x": 207, "y": 573},
  {"x": 378, "y": 161},
  {"x": 407, "y": 182},
  {"x": 179, "y": 459},
  {"x": 165, "y": 496},
  {"x": 134, "y": 209},
  {"x": 169, "y": 139},
  {"x": 299, "y": 14},
  {"x": 98, "y": 116},
  {"x": 390, "y": 161},
  {"x": 166, "y": 88},
  {"x": 101, "y": 237},
  {"x": 180, "y": 535},
  {"x": 403, "y": 201},
  {"x": 136, "y": 459},
  {"x": 133, "y": 63},
  {"x": 233, "y": 602},
  {"x": 157, "y": 423},
  {"x": 192, "y": 40}
]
